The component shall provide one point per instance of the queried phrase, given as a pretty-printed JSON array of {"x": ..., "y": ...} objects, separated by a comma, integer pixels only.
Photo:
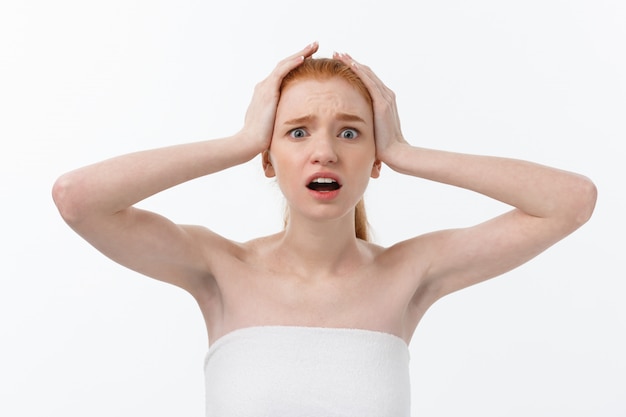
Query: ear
[
  {"x": 267, "y": 164},
  {"x": 376, "y": 168}
]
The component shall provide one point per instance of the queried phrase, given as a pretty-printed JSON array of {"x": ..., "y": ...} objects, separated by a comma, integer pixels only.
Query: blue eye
[
  {"x": 349, "y": 133},
  {"x": 297, "y": 133}
]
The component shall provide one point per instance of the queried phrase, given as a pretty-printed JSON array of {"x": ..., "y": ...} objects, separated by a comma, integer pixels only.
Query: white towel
[{"x": 307, "y": 372}]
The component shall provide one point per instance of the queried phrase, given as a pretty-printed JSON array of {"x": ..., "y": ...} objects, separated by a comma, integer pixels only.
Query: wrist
[
  {"x": 247, "y": 144},
  {"x": 393, "y": 154}
]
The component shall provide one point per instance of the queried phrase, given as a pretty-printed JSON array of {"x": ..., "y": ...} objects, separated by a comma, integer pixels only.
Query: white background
[{"x": 81, "y": 81}]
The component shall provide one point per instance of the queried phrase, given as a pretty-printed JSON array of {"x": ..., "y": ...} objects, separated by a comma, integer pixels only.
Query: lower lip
[{"x": 324, "y": 195}]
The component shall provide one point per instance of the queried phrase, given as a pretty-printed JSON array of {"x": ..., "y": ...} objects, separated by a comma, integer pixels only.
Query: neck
[{"x": 314, "y": 248}]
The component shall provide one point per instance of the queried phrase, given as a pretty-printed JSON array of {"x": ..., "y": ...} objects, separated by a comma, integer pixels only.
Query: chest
[{"x": 253, "y": 295}]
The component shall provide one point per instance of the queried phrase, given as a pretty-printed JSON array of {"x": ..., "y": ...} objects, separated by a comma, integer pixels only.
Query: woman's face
[{"x": 322, "y": 150}]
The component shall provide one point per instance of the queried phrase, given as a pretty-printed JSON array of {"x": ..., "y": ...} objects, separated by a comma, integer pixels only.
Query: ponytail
[{"x": 360, "y": 221}]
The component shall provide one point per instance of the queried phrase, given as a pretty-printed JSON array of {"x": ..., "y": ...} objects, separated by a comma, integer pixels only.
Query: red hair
[{"x": 323, "y": 69}]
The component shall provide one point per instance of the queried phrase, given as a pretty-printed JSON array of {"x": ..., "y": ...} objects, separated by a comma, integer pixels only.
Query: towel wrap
[{"x": 296, "y": 371}]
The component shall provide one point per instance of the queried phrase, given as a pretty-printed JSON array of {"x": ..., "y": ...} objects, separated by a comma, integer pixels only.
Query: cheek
[
  {"x": 284, "y": 169},
  {"x": 367, "y": 156}
]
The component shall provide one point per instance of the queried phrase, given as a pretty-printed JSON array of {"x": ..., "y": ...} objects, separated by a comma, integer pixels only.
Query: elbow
[
  {"x": 66, "y": 197},
  {"x": 584, "y": 195}
]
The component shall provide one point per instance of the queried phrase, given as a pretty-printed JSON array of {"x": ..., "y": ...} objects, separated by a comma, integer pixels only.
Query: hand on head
[
  {"x": 261, "y": 113},
  {"x": 259, "y": 120},
  {"x": 387, "y": 130}
]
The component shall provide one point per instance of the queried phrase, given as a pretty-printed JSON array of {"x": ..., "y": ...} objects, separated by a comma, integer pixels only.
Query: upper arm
[
  {"x": 459, "y": 258},
  {"x": 154, "y": 246}
]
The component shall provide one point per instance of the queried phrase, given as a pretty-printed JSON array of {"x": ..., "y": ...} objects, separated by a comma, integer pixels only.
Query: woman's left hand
[{"x": 387, "y": 130}]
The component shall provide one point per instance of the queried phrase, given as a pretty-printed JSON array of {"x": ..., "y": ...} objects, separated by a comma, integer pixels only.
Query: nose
[{"x": 323, "y": 150}]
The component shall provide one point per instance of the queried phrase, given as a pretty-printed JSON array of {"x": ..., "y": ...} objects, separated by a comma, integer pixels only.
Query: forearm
[
  {"x": 112, "y": 185},
  {"x": 537, "y": 190}
]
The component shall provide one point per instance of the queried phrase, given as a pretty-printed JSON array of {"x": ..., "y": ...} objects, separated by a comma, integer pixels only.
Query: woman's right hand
[{"x": 259, "y": 121}]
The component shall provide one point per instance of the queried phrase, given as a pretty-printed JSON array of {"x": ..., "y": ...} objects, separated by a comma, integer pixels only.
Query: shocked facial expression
[{"x": 323, "y": 151}]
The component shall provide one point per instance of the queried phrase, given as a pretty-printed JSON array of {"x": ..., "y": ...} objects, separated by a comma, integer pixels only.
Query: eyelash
[
  {"x": 292, "y": 132},
  {"x": 356, "y": 132}
]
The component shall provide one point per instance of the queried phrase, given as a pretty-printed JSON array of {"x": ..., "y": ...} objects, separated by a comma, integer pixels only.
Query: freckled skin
[{"x": 322, "y": 148}]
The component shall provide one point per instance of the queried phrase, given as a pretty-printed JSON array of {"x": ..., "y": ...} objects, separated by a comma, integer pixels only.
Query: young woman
[{"x": 315, "y": 319}]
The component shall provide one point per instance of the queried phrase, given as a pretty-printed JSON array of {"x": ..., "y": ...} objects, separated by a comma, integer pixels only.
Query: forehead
[{"x": 322, "y": 96}]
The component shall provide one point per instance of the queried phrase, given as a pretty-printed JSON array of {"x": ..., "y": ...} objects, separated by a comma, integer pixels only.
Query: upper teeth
[{"x": 324, "y": 180}]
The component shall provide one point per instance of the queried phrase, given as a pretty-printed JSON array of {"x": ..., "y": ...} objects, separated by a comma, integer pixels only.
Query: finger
[
  {"x": 362, "y": 71},
  {"x": 296, "y": 59},
  {"x": 305, "y": 52},
  {"x": 369, "y": 78}
]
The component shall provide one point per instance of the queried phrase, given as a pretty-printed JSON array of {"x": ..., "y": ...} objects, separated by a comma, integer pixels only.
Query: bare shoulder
[
  {"x": 412, "y": 254},
  {"x": 408, "y": 263},
  {"x": 216, "y": 252},
  {"x": 257, "y": 251},
  {"x": 213, "y": 243},
  {"x": 404, "y": 265},
  {"x": 229, "y": 258}
]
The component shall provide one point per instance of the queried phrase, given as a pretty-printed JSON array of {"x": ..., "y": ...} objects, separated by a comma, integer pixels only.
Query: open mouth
[{"x": 323, "y": 185}]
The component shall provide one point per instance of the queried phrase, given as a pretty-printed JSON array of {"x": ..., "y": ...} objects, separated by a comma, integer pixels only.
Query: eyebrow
[{"x": 344, "y": 117}]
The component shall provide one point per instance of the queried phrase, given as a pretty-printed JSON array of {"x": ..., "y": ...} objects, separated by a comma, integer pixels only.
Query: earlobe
[
  {"x": 268, "y": 169},
  {"x": 376, "y": 168}
]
